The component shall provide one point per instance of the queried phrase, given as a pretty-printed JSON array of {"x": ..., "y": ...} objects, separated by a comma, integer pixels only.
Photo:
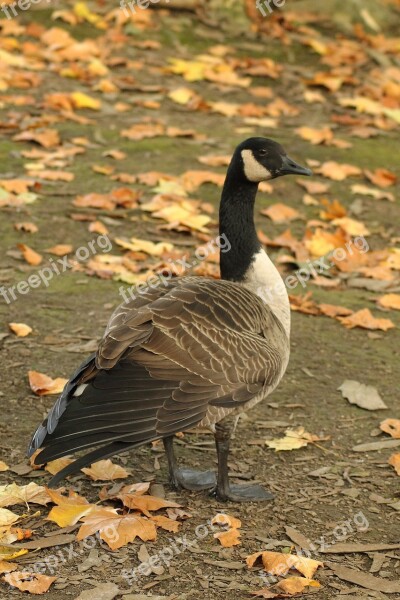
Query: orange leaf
[
  {"x": 224, "y": 519},
  {"x": 69, "y": 508},
  {"x": 337, "y": 171},
  {"x": 60, "y": 249},
  {"x": 105, "y": 470},
  {"x": 389, "y": 301},
  {"x": 54, "y": 466},
  {"x": 295, "y": 585},
  {"x": 228, "y": 538},
  {"x": 166, "y": 523},
  {"x": 31, "y": 257},
  {"x": 333, "y": 311},
  {"x": 46, "y": 137},
  {"x": 392, "y": 427},
  {"x": 55, "y": 175},
  {"x": 279, "y": 213},
  {"x": 42, "y": 384},
  {"x": 26, "y": 226},
  {"x": 20, "y": 329},
  {"x": 277, "y": 563},
  {"x": 116, "y": 529},
  {"x": 364, "y": 318},
  {"x": 315, "y": 136},
  {"x": 381, "y": 177},
  {"x": 35, "y": 583},
  {"x": 146, "y": 503},
  {"x": 394, "y": 460}
]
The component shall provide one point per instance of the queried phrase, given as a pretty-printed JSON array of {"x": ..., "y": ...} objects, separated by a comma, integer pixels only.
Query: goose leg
[
  {"x": 187, "y": 479},
  {"x": 224, "y": 490}
]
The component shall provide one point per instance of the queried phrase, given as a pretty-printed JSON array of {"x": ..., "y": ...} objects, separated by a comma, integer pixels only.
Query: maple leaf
[
  {"x": 14, "y": 494},
  {"x": 69, "y": 509},
  {"x": 278, "y": 563},
  {"x": 279, "y": 213},
  {"x": 294, "y": 439},
  {"x": 365, "y": 319},
  {"x": 35, "y": 583},
  {"x": 145, "y": 503},
  {"x": 42, "y": 384},
  {"x": 54, "y": 466},
  {"x": 20, "y": 329},
  {"x": 105, "y": 470},
  {"x": 116, "y": 529},
  {"x": 392, "y": 427},
  {"x": 166, "y": 523}
]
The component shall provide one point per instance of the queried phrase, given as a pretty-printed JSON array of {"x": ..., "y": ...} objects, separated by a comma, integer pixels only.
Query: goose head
[{"x": 261, "y": 159}]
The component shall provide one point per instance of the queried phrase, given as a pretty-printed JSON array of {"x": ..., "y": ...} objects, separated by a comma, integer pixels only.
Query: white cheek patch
[{"x": 253, "y": 170}]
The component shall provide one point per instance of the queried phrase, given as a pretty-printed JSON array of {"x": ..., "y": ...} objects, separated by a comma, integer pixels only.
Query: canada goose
[{"x": 195, "y": 351}]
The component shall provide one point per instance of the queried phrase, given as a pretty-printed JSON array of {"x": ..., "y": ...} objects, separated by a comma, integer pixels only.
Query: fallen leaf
[
  {"x": 31, "y": 257},
  {"x": 315, "y": 136},
  {"x": 231, "y": 536},
  {"x": 20, "y": 329},
  {"x": 278, "y": 563},
  {"x": 116, "y": 529},
  {"x": 364, "y": 396},
  {"x": 394, "y": 461},
  {"x": 26, "y": 226},
  {"x": 279, "y": 213},
  {"x": 389, "y": 301},
  {"x": 337, "y": 171},
  {"x": 34, "y": 583},
  {"x": 69, "y": 509},
  {"x": 54, "y": 466},
  {"x": 14, "y": 494},
  {"x": 313, "y": 187},
  {"x": 381, "y": 177},
  {"x": 392, "y": 427},
  {"x": 3, "y": 466},
  {"x": 105, "y": 470},
  {"x": 46, "y": 137},
  {"x": 60, "y": 249},
  {"x": 364, "y": 318},
  {"x": 42, "y": 384},
  {"x": 295, "y": 585},
  {"x": 81, "y": 100},
  {"x": 293, "y": 440}
]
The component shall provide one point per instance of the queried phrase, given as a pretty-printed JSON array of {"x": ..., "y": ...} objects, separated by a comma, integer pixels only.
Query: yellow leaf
[
  {"x": 14, "y": 494},
  {"x": 3, "y": 466},
  {"x": 9, "y": 553},
  {"x": 105, "y": 470},
  {"x": 20, "y": 329},
  {"x": 82, "y": 100},
  {"x": 293, "y": 440},
  {"x": 278, "y": 563},
  {"x": 54, "y": 466},
  {"x": 67, "y": 514}
]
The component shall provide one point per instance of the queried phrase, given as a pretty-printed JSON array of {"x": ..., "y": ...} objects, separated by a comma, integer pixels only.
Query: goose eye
[{"x": 262, "y": 152}]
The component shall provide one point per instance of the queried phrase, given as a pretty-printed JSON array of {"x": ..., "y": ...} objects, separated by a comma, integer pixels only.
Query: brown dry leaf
[
  {"x": 115, "y": 529},
  {"x": 364, "y": 190},
  {"x": 364, "y": 318},
  {"x": 42, "y": 384},
  {"x": 105, "y": 470},
  {"x": 277, "y": 563},
  {"x": 293, "y": 440},
  {"x": 279, "y": 213},
  {"x": 34, "y": 583},
  {"x": 315, "y": 136},
  {"x": 296, "y": 585},
  {"x": 351, "y": 226},
  {"x": 313, "y": 187},
  {"x": 60, "y": 249},
  {"x": 141, "y": 131},
  {"x": 31, "y": 257},
  {"x": 381, "y": 177},
  {"x": 231, "y": 536},
  {"x": 46, "y": 137},
  {"x": 3, "y": 466},
  {"x": 14, "y": 494},
  {"x": 54, "y": 466},
  {"x": 145, "y": 503},
  {"x": 334, "y": 210},
  {"x": 392, "y": 427},
  {"x": 166, "y": 523},
  {"x": 304, "y": 304},
  {"x": 55, "y": 175},
  {"x": 26, "y": 226},
  {"x": 6, "y": 567},
  {"x": 389, "y": 301},
  {"x": 333, "y": 311},
  {"x": 337, "y": 171},
  {"x": 20, "y": 329},
  {"x": 394, "y": 461}
]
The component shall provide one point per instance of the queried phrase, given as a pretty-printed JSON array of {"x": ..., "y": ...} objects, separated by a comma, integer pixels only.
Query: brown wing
[{"x": 165, "y": 358}]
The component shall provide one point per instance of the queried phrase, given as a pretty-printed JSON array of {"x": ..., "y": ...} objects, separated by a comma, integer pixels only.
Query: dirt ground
[{"x": 328, "y": 492}]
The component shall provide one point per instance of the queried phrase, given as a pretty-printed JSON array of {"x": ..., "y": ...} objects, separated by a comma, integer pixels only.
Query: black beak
[{"x": 290, "y": 167}]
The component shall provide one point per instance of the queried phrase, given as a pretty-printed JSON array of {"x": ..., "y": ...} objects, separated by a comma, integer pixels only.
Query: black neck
[{"x": 236, "y": 222}]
